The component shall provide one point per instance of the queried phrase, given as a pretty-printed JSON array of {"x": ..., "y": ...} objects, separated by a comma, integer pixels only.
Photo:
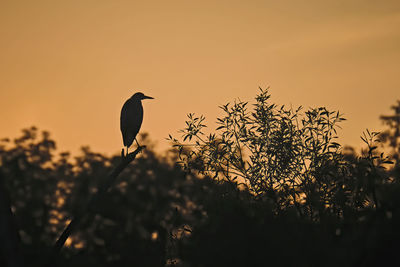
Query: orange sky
[{"x": 68, "y": 66}]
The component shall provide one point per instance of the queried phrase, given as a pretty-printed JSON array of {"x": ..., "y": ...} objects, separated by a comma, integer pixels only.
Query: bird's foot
[{"x": 140, "y": 148}]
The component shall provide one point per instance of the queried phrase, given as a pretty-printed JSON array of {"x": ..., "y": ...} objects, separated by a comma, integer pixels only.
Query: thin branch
[{"x": 103, "y": 188}]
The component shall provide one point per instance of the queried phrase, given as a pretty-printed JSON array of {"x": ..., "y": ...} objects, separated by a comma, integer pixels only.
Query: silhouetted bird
[{"x": 131, "y": 118}]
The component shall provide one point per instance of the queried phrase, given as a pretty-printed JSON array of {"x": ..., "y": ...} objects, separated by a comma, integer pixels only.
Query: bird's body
[{"x": 131, "y": 118}]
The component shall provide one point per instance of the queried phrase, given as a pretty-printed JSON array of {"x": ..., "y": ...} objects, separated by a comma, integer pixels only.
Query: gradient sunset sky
[{"x": 68, "y": 66}]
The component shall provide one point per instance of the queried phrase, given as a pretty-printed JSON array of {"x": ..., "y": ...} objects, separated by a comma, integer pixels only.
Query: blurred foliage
[
  {"x": 390, "y": 138},
  {"x": 133, "y": 224},
  {"x": 270, "y": 187}
]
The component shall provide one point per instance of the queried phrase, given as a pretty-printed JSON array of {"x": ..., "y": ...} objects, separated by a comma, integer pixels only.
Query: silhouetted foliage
[
  {"x": 269, "y": 187},
  {"x": 289, "y": 163}
]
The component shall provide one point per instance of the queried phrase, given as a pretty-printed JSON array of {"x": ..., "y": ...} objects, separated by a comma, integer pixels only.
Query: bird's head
[{"x": 141, "y": 96}]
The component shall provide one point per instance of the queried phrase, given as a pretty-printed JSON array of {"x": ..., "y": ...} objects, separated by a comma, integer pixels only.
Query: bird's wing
[
  {"x": 124, "y": 116},
  {"x": 125, "y": 112},
  {"x": 131, "y": 120}
]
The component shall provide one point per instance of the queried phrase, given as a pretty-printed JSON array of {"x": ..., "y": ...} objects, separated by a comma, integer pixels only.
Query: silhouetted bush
[{"x": 321, "y": 205}]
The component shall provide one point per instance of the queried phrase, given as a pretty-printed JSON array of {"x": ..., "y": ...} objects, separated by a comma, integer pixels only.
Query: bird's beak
[{"x": 147, "y": 97}]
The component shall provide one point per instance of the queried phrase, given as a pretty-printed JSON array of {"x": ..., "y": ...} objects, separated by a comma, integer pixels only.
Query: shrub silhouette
[{"x": 317, "y": 200}]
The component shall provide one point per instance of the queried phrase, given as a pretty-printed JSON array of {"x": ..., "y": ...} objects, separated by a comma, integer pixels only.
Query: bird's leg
[
  {"x": 137, "y": 142},
  {"x": 127, "y": 151}
]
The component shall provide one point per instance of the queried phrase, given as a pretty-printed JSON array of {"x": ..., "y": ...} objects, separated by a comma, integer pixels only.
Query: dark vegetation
[{"x": 269, "y": 187}]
